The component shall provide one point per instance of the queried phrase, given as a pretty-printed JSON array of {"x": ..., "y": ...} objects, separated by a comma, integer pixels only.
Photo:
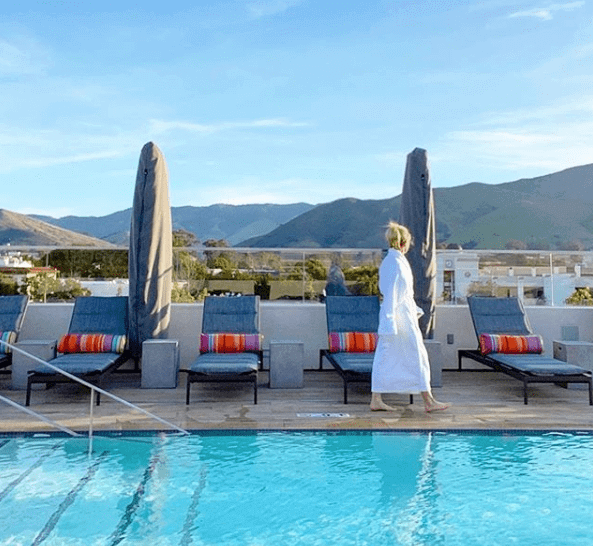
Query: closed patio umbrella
[
  {"x": 418, "y": 215},
  {"x": 150, "y": 263}
]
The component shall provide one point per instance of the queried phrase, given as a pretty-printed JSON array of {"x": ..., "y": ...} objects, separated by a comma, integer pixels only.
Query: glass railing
[{"x": 300, "y": 275}]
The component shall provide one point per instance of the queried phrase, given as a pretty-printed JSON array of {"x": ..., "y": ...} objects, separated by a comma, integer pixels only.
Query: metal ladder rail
[
  {"x": 94, "y": 388},
  {"x": 38, "y": 416}
]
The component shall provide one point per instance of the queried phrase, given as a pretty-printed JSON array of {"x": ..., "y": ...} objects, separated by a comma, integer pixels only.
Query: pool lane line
[
  {"x": 192, "y": 511},
  {"x": 67, "y": 502},
  {"x": 18, "y": 480},
  {"x": 119, "y": 534}
]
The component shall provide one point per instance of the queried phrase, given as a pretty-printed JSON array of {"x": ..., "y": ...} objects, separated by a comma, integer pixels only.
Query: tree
[
  {"x": 43, "y": 286},
  {"x": 581, "y": 296},
  {"x": 8, "y": 286},
  {"x": 366, "y": 278},
  {"x": 180, "y": 294},
  {"x": 183, "y": 238}
]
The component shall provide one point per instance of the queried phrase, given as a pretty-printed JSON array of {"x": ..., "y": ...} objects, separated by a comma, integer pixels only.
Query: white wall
[{"x": 306, "y": 322}]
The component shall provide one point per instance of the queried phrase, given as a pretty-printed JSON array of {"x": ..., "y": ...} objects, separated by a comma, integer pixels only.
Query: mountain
[
  {"x": 549, "y": 211},
  {"x": 19, "y": 229},
  {"x": 346, "y": 223},
  {"x": 231, "y": 222},
  {"x": 544, "y": 212}
]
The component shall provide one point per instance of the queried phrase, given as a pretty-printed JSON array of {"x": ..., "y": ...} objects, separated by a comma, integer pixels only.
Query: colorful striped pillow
[
  {"x": 352, "y": 342},
  {"x": 92, "y": 343},
  {"x": 490, "y": 343},
  {"x": 230, "y": 343},
  {"x": 9, "y": 337}
]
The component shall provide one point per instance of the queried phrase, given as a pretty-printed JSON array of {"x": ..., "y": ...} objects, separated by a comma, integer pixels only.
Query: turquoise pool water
[{"x": 298, "y": 488}]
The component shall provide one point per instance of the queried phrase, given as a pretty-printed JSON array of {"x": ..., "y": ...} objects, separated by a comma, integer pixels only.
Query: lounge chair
[
  {"x": 94, "y": 346},
  {"x": 506, "y": 317},
  {"x": 351, "y": 314},
  {"x": 230, "y": 343},
  {"x": 12, "y": 314}
]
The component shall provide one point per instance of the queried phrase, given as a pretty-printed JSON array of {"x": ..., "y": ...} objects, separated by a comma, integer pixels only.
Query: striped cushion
[
  {"x": 230, "y": 343},
  {"x": 490, "y": 343},
  {"x": 9, "y": 337},
  {"x": 92, "y": 343},
  {"x": 352, "y": 342}
]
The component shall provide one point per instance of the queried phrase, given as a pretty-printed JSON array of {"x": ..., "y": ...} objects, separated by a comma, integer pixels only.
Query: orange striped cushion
[
  {"x": 230, "y": 343},
  {"x": 92, "y": 343},
  {"x": 352, "y": 342},
  {"x": 490, "y": 343}
]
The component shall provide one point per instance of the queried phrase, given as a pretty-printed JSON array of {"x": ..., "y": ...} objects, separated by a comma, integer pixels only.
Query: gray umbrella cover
[
  {"x": 417, "y": 213},
  {"x": 151, "y": 251}
]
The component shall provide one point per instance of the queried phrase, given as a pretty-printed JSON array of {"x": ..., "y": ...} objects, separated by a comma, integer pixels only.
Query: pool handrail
[
  {"x": 94, "y": 388},
  {"x": 38, "y": 416}
]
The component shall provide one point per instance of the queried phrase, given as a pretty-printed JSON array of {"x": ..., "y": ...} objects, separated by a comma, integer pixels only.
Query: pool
[{"x": 298, "y": 488}]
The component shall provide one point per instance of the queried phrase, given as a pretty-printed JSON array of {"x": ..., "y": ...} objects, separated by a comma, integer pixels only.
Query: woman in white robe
[{"x": 401, "y": 362}]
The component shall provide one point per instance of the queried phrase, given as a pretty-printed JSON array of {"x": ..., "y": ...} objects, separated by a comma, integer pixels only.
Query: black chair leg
[{"x": 187, "y": 387}]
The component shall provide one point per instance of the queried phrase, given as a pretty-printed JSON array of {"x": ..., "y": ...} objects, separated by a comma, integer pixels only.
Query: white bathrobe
[{"x": 401, "y": 361}]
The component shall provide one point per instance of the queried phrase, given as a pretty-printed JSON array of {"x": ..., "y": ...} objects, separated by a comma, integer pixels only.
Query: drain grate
[{"x": 323, "y": 415}]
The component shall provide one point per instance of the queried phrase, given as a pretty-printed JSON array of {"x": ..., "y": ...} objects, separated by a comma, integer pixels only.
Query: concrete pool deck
[{"x": 481, "y": 400}]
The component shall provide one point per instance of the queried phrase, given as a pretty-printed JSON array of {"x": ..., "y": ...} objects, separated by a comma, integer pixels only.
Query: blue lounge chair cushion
[
  {"x": 537, "y": 364},
  {"x": 228, "y": 363},
  {"x": 231, "y": 315},
  {"x": 81, "y": 363},
  {"x": 361, "y": 363},
  {"x": 100, "y": 315},
  {"x": 352, "y": 313},
  {"x": 12, "y": 310}
]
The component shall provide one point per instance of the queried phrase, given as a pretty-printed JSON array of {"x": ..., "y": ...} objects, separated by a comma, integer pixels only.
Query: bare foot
[
  {"x": 381, "y": 406},
  {"x": 433, "y": 405}
]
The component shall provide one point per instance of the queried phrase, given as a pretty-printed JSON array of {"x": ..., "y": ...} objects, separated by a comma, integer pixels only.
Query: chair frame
[
  {"x": 204, "y": 377},
  {"x": 351, "y": 322},
  {"x": 95, "y": 377},
  {"x": 524, "y": 376}
]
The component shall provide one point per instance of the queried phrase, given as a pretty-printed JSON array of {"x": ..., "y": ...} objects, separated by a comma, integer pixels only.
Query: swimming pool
[{"x": 305, "y": 488}]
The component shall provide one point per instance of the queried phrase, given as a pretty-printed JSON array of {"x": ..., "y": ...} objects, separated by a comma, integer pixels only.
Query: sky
[{"x": 285, "y": 101}]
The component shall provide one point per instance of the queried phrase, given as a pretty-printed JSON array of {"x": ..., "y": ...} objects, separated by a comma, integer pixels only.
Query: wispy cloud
[
  {"x": 22, "y": 57},
  {"x": 264, "y": 8},
  {"x": 547, "y": 139},
  {"x": 68, "y": 159},
  {"x": 547, "y": 13},
  {"x": 161, "y": 126}
]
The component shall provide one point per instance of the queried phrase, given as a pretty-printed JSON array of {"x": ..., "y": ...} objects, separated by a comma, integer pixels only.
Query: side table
[
  {"x": 160, "y": 364},
  {"x": 286, "y": 364},
  {"x": 579, "y": 353},
  {"x": 22, "y": 364}
]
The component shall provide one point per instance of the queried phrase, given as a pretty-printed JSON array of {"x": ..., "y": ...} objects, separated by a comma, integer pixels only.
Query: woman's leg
[
  {"x": 430, "y": 404},
  {"x": 377, "y": 403}
]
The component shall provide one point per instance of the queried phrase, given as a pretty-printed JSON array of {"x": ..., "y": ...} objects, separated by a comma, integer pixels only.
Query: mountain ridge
[{"x": 548, "y": 211}]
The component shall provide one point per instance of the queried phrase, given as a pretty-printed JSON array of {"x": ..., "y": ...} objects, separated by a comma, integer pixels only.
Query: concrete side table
[
  {"x": 22, "y": 364},
  {"x": 435, "y": 357},
  {"x": 160, "y": 364},
  {"x": 286, "y": 364},
  {"x": 579, "y": 353}
]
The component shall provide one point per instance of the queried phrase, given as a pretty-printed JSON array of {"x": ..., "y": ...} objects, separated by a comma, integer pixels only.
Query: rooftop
[{"x": 481, "y": 400}]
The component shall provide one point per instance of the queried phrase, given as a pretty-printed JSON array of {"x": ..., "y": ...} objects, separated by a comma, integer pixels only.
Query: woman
[{"x": 401, "y": 361}]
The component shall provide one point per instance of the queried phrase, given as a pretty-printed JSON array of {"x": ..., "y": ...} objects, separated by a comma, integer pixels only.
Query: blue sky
[{"x": 280, "y": 101}]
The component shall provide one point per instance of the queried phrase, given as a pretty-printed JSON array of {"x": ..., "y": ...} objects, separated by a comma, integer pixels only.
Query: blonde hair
[{"x": 398, "y": 237}]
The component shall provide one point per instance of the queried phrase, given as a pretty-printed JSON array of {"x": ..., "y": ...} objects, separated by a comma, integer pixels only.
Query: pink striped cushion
[
  {"x": 491, "y": 343},
  {"x": 352, "y": 342},
  {"x": 230, "y": 343}
]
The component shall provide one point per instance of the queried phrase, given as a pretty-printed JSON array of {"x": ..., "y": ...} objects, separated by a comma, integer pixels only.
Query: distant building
[{"x": 461, "y": 273}]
